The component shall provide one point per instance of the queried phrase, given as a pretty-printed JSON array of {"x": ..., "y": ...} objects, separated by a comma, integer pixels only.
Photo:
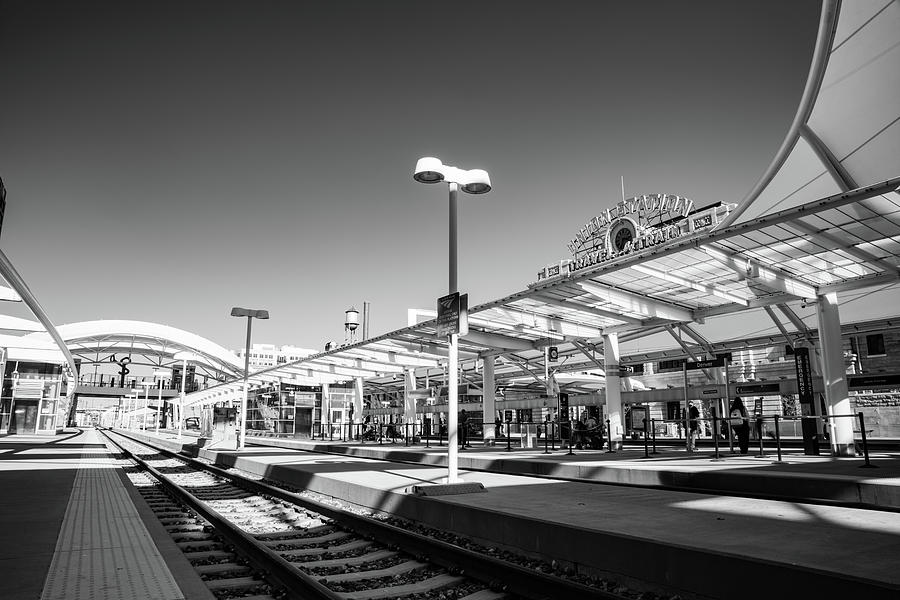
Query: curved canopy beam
[{"x": 18, "y": 284}]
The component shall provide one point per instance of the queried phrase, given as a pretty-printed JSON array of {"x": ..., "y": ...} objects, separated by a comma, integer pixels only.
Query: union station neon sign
[{"x": 632, "y": 225}]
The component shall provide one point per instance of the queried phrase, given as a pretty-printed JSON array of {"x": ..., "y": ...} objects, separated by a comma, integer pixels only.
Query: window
[{"x": 875, "y": 345}]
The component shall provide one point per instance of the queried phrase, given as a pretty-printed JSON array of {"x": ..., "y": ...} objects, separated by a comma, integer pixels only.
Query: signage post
[
  {"x": 719, "y": 361},
  {"x": 687, "y": 433},
  {"x": 807, "y": 400},
  {"x": 452, "y": 322},
  {"x": 563, "y": 412}
]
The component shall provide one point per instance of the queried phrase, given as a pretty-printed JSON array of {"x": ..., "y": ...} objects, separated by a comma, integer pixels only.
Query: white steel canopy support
[
  {"x": 765, "y": 276},
  {"x": 495, "y": 340},
  {"x": 409, "y": 399},
  {"x": 489, "y": 412},
  {"x": 613, "y": 391},
  {"x": 712, "y": 290},
  {"x": 590, "y": 310},
  {"x": 636, "y": 303},
  {"x": 358, "y": 400},
  {"x": 837, "y": 396}
]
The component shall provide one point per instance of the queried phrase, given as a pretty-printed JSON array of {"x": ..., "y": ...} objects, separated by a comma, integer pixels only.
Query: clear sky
[{"x": 165, "y": 161}]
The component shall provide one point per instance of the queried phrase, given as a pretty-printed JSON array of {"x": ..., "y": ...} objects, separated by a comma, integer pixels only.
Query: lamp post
[
  {"x": 250, "y": 314},
  {"x": 474, "y": 181}
]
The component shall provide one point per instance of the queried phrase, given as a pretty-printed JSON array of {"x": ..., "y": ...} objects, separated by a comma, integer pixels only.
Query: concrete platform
[
  {"x": 844, "y": 481},
  {"x": 697, "y": 543},
  {"x": 73, "y": 527}
]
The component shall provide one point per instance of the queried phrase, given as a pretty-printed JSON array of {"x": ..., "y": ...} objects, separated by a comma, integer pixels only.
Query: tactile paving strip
[{"x": 104, "y": 551}]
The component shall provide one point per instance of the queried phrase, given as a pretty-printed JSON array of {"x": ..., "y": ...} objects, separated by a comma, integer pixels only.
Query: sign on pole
[
  {"x": 807, "y": 400},
  {"x": 563, "y": 407},
  {"x": 553, "y": 354},
  {"x": 452, "y": 314}
]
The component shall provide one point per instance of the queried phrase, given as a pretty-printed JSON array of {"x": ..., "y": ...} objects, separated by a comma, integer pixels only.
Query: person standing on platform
[
  {"x": 694, "y": 425},
  {"x": 740, "y": 422},
  {"x": 464, "y": 429}
]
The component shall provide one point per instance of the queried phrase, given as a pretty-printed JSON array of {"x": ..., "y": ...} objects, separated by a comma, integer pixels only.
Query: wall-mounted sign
[
  {"x": 869, "y": 382},
  {"x": 635, "y": 224}
]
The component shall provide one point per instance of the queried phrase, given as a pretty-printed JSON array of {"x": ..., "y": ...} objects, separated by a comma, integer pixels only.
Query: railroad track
[{"x": 249, "y": 539}]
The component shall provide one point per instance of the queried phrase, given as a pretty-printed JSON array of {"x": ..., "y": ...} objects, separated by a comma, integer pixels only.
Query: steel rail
[
  {"x": 514, "y": 579},
  {"x": 297, "y": 584}
]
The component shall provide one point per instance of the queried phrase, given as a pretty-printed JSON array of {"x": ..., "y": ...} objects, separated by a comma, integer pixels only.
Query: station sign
[
  {"x": 632, "y": 225},
  {"x": 760, "y": 388},
  {"x": 563, "y": 407},
  {"x": 553, "y": 354},
  {"x": 452, "y": 314},
  {"x": 807, "y": 400},
  {"x": 718, "y": 361},
  {"x": 868, "y": 382}
]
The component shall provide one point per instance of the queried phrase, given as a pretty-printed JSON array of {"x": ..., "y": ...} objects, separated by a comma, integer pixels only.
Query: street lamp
[
  {"x": 250, "y": 314},
  {"x": 473, "y": 181}
]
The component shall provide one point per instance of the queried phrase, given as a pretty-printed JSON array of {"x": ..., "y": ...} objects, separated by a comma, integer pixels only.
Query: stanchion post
[
  {"x": 427, "y": 437},
  {"x": 508, "y": 437},
  {"x": 715, "y": 434},
  {"x": 406, "y": 433},
  {"x": 862, "y": 430},
  {"x": 730, "y": 434},
  {"x": 759, "y": 434},
  {"x": 380, "y": 434},
  {"x": 653, "y": 434},
  {"x": 778, "y": 437},
  {"x": 609, "y": 437},
  {"x": 646, "y": 446}
]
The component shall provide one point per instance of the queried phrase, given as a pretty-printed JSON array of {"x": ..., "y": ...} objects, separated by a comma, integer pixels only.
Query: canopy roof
[
  {"x": 150, "y": 344},
  {"x": 825, "y": 217}
]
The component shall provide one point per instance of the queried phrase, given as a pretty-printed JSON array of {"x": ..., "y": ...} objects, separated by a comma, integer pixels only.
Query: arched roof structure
[
  {"x": 846, "y": 133},
  {"x": 824, "y": 217},
  {"x": 150, "y": 344}
]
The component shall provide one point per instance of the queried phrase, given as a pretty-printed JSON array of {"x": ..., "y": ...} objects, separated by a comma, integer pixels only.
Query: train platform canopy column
[
  {"x": 488, "y": 396},
  {"x": 613, "y": 389},
  {"x": 409, "y": 399},
  {"x": 357, "y": 400},
  {"x": 837, "y": 396}
]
